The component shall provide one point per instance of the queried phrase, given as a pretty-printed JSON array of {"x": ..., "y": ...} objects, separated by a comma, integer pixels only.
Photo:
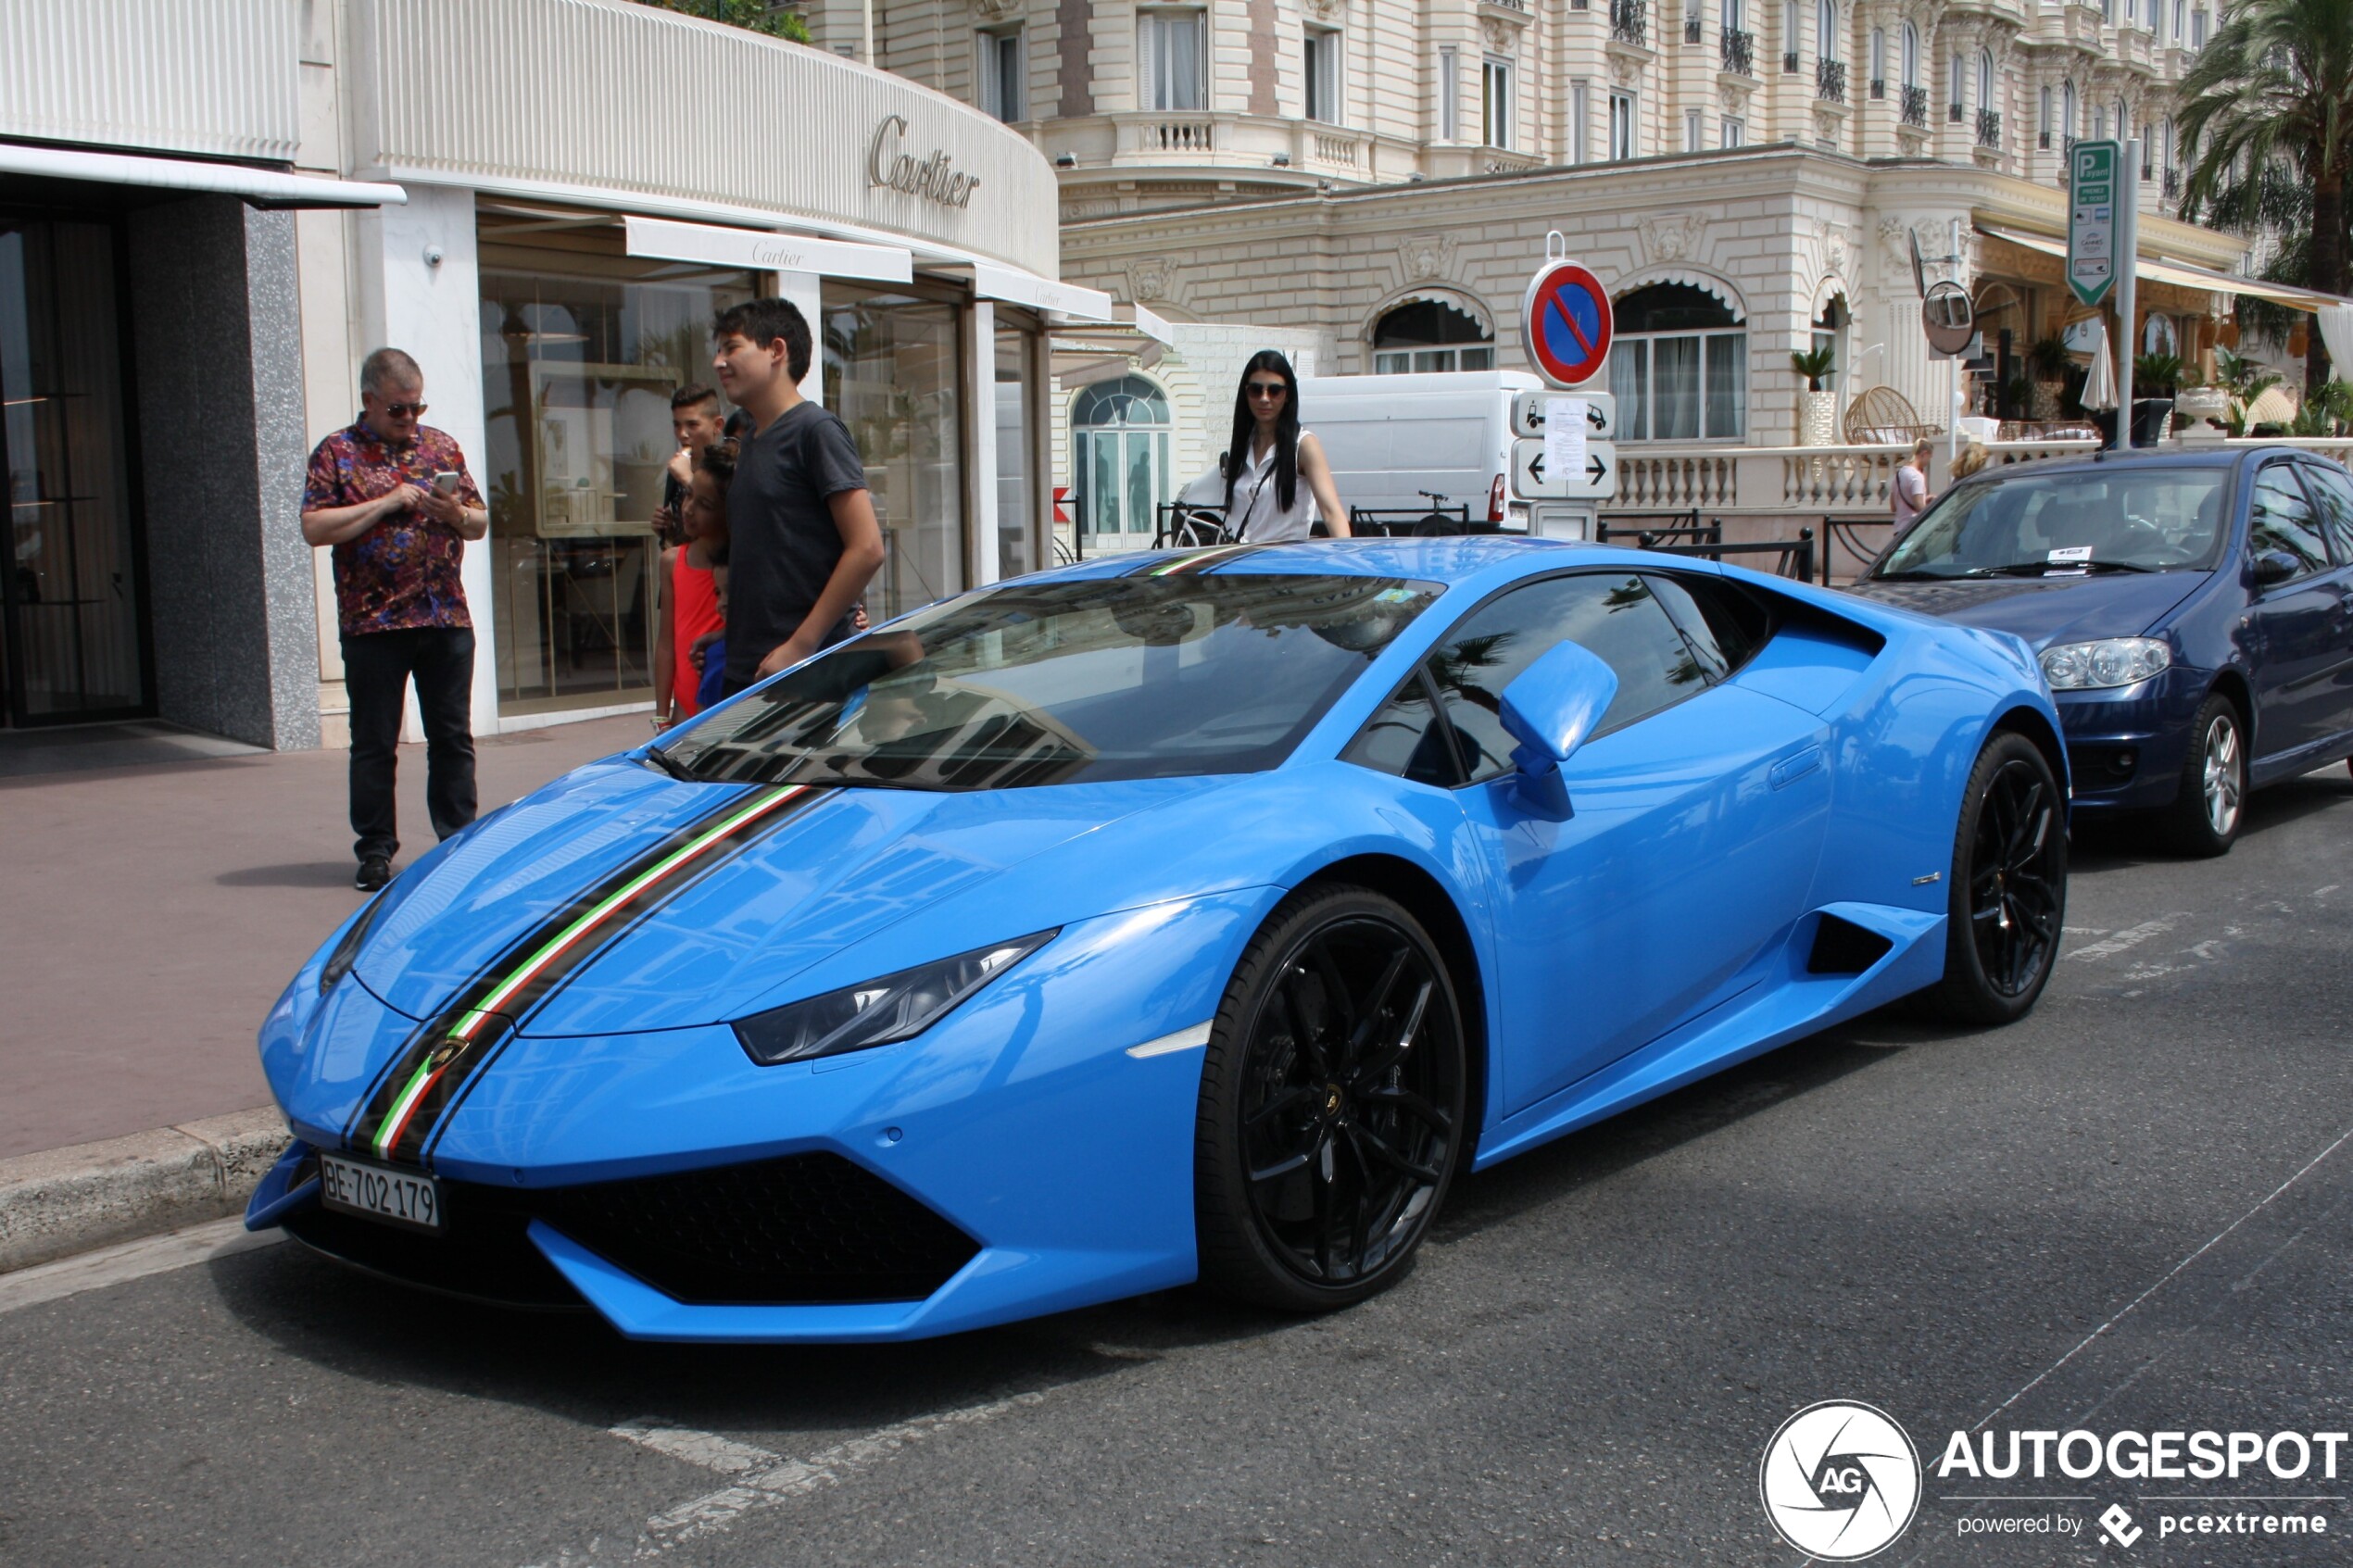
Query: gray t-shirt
[{"x": 782, "y": 544}]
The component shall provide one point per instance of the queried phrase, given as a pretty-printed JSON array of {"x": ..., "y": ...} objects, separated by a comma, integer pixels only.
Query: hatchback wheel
[
  {"x": 1331, "y": 1104},
  {"x": 2209, "y": 806}
]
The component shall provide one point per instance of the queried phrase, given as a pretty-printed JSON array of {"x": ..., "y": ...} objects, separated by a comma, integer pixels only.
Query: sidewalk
[{"x": 154, "y": 913}]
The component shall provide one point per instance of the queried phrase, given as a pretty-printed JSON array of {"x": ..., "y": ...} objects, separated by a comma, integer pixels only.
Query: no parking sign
[{"x": 1566, "y": 324}]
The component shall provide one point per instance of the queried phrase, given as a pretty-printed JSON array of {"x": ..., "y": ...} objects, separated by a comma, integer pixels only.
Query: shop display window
[{"x": 892, "y": 359}]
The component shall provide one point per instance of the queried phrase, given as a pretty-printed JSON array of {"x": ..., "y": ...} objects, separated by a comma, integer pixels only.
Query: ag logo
[{"x": 1840, "y": 1480}]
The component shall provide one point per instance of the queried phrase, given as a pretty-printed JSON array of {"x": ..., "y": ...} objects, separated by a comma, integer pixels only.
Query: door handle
[{"x": 1789, "y": 769}]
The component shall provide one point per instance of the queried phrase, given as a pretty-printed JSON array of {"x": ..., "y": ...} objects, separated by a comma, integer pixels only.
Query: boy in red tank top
[{"x": 691, "y": 608}]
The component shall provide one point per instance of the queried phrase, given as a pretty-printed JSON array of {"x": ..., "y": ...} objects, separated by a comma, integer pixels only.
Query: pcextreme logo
[{"x": 1840, "y": 1480}]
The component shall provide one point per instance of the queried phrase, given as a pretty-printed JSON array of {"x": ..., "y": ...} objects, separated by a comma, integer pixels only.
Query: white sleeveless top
[{"x": 1257, "y": 516}]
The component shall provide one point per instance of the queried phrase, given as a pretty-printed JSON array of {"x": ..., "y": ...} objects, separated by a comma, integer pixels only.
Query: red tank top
[{"x": 693, "y": 612}]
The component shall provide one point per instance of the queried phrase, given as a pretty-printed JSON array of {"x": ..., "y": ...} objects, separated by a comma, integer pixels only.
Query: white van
[{"x": 1388, "y": 438}]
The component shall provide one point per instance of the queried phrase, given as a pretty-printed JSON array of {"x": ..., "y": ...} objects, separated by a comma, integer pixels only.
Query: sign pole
[
  {"x": 1953, "y": 396},
  {"x": 2128, "y": 256}
]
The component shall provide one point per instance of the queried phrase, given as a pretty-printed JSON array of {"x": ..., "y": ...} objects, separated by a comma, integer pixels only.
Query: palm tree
[{"x": 2273, "y": 91}]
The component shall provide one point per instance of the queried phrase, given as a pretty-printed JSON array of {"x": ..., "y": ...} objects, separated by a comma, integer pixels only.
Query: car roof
[
  {"x": 2190, "y": 458},
  {"x": 1448, "y": 561}
]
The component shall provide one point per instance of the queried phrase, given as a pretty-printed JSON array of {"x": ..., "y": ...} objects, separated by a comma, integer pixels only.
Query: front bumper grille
[{"x": 801, "y": 1230}]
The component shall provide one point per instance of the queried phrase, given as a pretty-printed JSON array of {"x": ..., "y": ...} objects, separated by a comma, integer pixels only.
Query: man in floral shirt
[{"x": 394, "y": 500}]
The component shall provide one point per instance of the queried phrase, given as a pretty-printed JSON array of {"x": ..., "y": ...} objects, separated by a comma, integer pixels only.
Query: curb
[{"x": 62, "y": 1201}]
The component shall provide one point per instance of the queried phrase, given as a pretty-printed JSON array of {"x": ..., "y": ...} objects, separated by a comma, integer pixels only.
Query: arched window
[
  {"x": 1879, "y": 61},
  {"x": 2070, "y": 126},
  {"x": 1829, "y": 332},
  {"x": 1985, "y": 78},
  {"x": 1119, "y": 439},
  {"x": 1953, "y": 85},
  {"x": 1911, "y": 56},
  {"x": 1826, "y": 30},
  {"x": 1428, "y": 335},
  {"x": 2043, "y": 116},
  {"x": 1678, "y": 365}
]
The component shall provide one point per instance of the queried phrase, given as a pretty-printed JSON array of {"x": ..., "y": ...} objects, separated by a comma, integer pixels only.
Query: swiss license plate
[{"x": 396, "y": 1198}]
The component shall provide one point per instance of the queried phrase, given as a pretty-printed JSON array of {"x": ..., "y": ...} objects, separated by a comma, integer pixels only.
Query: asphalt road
[{"x": 2131, "y": 1211}]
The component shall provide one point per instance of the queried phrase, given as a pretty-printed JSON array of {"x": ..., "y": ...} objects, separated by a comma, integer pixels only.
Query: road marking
[
  {"x": 2132, "y": 937},
  {"x": 761, "y": 1479},
  {"x": 130, "y": 1261}
]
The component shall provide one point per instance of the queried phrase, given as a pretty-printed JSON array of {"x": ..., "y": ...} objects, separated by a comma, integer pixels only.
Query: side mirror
[
  {"x": 1550, "y": 710},
  {"x": 2275, "y": 566}
]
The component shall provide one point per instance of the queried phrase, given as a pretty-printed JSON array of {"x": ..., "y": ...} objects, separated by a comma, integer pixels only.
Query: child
[{"x": 692, "y": 575}]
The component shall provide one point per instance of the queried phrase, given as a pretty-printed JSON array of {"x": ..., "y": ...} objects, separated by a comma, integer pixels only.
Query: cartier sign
[{"x": 930, "y": 178}]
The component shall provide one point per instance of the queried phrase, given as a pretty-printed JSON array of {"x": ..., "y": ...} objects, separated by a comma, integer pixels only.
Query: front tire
[
  {"x": 2008, "y": 896},
  {"x": 1332, "y": 1105},
  {"x": 2209, "y": 804}
]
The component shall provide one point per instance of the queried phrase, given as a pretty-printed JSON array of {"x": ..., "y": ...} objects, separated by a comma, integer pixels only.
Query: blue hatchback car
[{"x": 2192, "y": 612}]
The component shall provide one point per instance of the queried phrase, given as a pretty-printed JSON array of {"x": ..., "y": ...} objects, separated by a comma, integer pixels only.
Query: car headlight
[
  {"x": 876, "y": 1012},
  {"x": 347, "y": 952},
  {"x": 2111, "y": 662}
]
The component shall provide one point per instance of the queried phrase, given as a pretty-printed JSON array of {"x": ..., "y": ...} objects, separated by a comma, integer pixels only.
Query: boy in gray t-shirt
[{"x": 803, "y": 542}]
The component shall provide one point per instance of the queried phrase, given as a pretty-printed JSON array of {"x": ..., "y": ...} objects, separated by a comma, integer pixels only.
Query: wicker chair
[{"x": 1880, "y": 416}]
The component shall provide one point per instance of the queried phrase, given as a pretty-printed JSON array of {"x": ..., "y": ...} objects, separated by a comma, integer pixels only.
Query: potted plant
[
  {"x": 2156, "y": 378},
  {"x": 2049, "y": 357},
  {"x": 1817, "y": 408}
]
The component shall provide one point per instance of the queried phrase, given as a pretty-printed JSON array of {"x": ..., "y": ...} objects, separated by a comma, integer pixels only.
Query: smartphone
[{"x": 445, "y": 482}]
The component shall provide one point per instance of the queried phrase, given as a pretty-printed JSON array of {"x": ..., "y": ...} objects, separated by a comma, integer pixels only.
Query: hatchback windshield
[
  {"x": 2025, "y": 524},
  {"x": 1057, "y": 682}
]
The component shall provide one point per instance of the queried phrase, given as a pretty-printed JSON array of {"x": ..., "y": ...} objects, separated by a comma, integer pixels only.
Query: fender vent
[{"x": 1842, "y": 947}]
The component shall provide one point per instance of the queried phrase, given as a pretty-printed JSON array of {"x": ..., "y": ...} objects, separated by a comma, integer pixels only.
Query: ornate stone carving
[
  {"x": 1147, "y": 281},
  {"x": 1734, "y": 100},
  {"x": 1423, "y": 258},
  {"x": 997, "y": 10},
  {"x": 1323, "y": 10},
  {"x": 1625, "y": 70},
  {"x": 1671, "y": 236},
  {"x": 1502, "y": 36}
]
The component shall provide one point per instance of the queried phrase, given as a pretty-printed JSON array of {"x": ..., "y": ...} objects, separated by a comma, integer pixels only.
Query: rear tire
[
  {"x": 2211, "y": 800},
  {"x": 2008, "y": 899},
  {"x": 1332, "y": 1105}
]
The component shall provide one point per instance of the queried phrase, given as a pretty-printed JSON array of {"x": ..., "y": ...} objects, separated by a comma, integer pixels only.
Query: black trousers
[{"x": 377, "y": 667}]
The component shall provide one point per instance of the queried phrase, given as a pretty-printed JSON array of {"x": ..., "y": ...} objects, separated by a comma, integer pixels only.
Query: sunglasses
[
  {"x": 402, "y": 410},
  {"x": 1267, "y": 389}
]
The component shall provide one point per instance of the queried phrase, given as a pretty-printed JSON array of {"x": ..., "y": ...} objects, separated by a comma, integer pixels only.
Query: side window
[
  {"x": 1408, "y": 738},
  {"x": 1725, "y": 625},
  {"x": 2283, "y": 520},
  {"x": 1616, "y": 617},
  {"x": 2335, "y": 491}
]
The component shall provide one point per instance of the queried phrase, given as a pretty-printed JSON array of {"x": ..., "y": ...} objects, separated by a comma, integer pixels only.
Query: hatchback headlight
[
  {"x": 897, "y": 1007},
  {"x": 2111, "y": 662}
]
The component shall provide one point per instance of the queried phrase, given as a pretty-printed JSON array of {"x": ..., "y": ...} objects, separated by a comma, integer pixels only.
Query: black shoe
[{"x": 374, "y": 871}]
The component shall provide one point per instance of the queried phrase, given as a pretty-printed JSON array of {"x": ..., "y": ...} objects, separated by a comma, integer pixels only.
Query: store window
[
  {"x": 1001, "y": 70},
  {"x": 1427, "y": 336},
  {"x": 892, "y": 358},
  {"x": 1495, "y": 102},
  {"x": 1323, "y": 63},
  {"x": 1017, "y": 431},
  {"x": 1170, "y": 42},
  {"x": 1678, "y": 365},
  {"x": 581, "y": 349},
  {"x": 71, "y": 628},
  {"x": 1119, "y": 432}
]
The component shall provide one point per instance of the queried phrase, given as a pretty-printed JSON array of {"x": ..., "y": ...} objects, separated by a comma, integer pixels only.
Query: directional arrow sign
[
  {"x": 1534, "y": 479},
  {"x": 2091, "y": 200},
  {"x": 1601, "y": 413}
]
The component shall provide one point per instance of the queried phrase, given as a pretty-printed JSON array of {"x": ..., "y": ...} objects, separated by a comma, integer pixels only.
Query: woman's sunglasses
[{"x": 1270, "y": 390}]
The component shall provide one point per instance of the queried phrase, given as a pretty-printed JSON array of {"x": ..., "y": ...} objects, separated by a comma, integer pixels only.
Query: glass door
[{"x": 71, "y": 626}]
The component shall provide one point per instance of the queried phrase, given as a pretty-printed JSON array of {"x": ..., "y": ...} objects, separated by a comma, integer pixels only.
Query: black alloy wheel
[
  {"x": 1331, "y": 1104},
  {"x": 2008, "y": 898}
]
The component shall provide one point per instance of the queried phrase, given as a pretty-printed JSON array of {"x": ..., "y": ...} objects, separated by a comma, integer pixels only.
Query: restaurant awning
[{"x": 2179, "y": 275}]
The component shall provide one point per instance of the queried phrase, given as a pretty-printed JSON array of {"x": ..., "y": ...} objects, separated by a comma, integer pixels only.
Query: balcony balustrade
[
  {"x": 1879, "y": 87},
  {"x": 1829, "y": 81},
  {"x": 1630, "y": 21},
  {"x": 1953, "y": 114},
  {"x": 1740, "y": 52},
  {"x": 1789, "y": 62},
  {"x": 2173, "y": 185},
  {"x": 1691, "y": 28},
  {"x": 2043, "y": 141},
  {"x": 1989, "y": 129},
  {"x": 1915, "y": 107}
]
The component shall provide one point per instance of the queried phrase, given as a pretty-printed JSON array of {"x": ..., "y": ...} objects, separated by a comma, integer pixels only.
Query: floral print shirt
[{"x": 402, "y": 573}]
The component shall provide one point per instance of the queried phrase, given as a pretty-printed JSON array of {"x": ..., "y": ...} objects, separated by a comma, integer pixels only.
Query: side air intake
[{"x": 1842, "y": 947}]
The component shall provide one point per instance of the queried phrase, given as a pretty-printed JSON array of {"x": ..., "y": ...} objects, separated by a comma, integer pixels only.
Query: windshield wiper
[
  {"x": 1916, "y": 575},
  {"x": 2038, "y": 567},
  {"x": 671, "y": 765}
]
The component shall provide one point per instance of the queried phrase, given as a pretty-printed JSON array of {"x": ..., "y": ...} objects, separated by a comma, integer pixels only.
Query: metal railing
[
  {"x": 1180, "y": 525},
  {"x": 1915, "y": 106},
  {"x": 1796, "y": 557},
  {"x": 1434, "y": 522},
  {"x": 1953, "y": 113},
  {"x": 2043, "y": 140},
  {"x": 1630, "y": 21},
  {"x": 1789, "y": 62},
  {"x": 1740, "y": 52},
  {"x": 1989, "y": 129},
  {"x": 1829, "y": 81},
  {"x": 1691, "y": 28},
  {"x": 1879, "y": 87},
  {"x": 2173, "y": 185}
]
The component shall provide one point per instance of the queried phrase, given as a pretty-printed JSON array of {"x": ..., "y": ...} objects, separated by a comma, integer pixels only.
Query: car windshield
[
  {"x": 2025, "y": 524},
  {"x": 1060, "y": 683}
]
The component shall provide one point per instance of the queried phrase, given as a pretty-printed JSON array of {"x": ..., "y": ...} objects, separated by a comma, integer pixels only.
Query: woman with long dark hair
[{"x": 1275, "y": 470}]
